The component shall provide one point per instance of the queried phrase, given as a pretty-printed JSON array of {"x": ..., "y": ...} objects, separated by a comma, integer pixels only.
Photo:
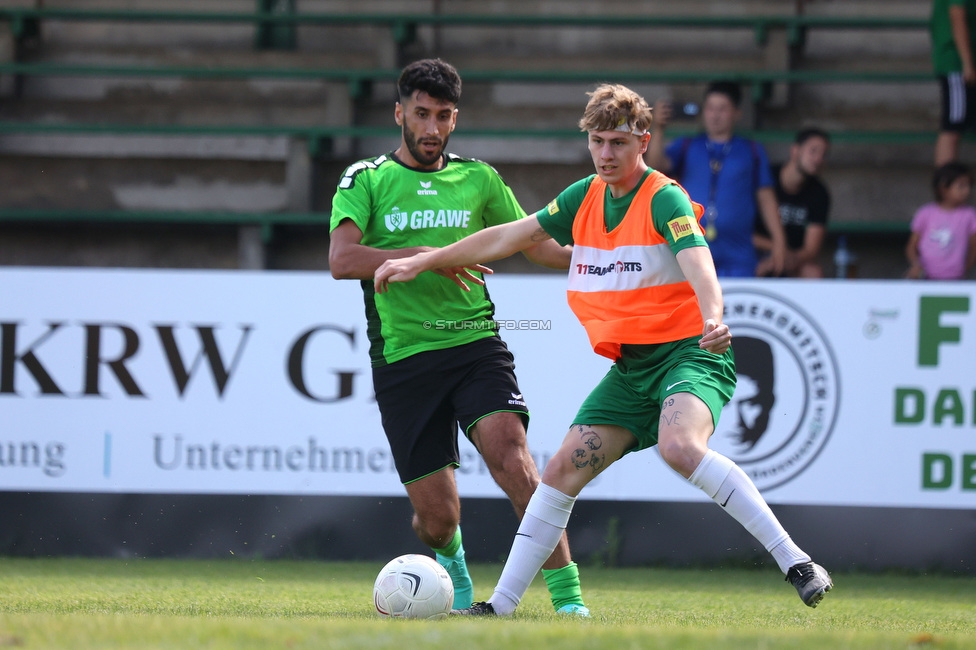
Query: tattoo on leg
[
  {"x": 587, "y": 455},
  {"x": 579, "y": 458},
  {"x": 668, "y": 414}
]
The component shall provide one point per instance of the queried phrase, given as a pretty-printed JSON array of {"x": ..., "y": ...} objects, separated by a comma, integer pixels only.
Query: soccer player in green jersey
[{"x": 437, "y": 359}]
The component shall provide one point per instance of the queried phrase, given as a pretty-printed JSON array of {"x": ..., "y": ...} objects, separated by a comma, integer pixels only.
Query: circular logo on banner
[{"x": 787, "y": 394}]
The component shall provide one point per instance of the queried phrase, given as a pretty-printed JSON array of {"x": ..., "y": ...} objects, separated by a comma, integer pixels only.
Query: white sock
[
  {"x": 787, "y": 554},
  {"x": 542, "y": 526},
  {"x": 727, "y": 485}
]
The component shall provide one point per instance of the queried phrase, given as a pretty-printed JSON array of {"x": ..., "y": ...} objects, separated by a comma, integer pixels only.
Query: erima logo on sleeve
[
  {"x": 683, "y": 226},
  {"x": 553, "y": 207}
]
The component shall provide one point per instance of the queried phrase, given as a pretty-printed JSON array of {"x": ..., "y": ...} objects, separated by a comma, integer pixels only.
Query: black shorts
[
  {"x": 424, "y": 398},
  {"x": 958, "y": 103}
]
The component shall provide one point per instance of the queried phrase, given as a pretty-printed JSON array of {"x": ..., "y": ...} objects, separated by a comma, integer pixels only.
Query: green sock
[
  {"x": 564, "y": 585},
  {"x": 451, "y": 557},
  {"x": 451, "y": 549}
]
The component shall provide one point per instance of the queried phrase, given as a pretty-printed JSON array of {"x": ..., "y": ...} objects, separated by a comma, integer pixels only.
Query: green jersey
[
  {"x": 399, "y": 207},
  {"x": 945, "y": 57},
  {"x": 668, "y": 203}
]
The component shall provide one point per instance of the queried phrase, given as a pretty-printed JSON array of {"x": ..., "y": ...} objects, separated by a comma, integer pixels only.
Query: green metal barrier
[
  {"x": 360, "y": 81},
  {"x": 165, "y": 216},
  {"x": 404, "y": 26},
  {"x": 321, "y": 132},
  {"x": 265, "y": 220},
  {"x": 359, "y": 75}
]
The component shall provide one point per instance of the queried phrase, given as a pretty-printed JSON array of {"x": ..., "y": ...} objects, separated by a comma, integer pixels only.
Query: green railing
[
  {"x": 469, "y": 75},
  {"x": 265, "y": 220},
  {"x": 360, "y": 80},
  {"x": 403, "y": 26},
  {"x": 322, "y": 132},
  {"x": 212, "y": 217}
]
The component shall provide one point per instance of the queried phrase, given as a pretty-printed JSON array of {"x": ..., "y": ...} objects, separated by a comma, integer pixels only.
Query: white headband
[{"x": 625, "y": 127}]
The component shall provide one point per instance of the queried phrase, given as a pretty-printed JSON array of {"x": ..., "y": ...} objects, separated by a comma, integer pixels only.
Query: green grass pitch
[{"x": 239, "y": 603}]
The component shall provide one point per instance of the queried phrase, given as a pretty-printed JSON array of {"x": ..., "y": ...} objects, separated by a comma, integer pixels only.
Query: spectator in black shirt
[{"x": 804, "y": 202}]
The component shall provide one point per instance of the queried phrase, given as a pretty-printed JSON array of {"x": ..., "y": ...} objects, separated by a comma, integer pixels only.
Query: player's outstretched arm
[
  {"x": 548, "y": 253},
  {"x": 349, "y": 258},
  {"x": 697, "y": 266},
  {"x": 485, "y": 245}
]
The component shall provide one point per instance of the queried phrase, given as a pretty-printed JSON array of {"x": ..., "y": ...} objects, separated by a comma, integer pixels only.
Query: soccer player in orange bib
[{"x": 643, "y": 284}]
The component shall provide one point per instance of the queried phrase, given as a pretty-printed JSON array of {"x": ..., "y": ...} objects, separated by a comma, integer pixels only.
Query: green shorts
[{"x": 631, "y": 393}]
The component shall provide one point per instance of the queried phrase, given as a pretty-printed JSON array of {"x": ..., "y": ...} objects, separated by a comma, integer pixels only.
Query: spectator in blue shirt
[{"x": 727, "y": 174}]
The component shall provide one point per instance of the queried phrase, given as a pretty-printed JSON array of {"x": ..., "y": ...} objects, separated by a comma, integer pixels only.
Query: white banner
[{"x": 850, "y": 392}]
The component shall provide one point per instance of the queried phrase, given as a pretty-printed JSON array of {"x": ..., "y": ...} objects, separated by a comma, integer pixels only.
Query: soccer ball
[{"x": 413, "y": 586}]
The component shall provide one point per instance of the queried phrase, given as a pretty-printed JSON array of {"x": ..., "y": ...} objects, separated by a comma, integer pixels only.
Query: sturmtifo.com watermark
[{"x": 524, "y": 324}]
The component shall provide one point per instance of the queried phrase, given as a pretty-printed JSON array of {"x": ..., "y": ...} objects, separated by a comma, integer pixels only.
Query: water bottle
[{"x": 844, "y": 259}]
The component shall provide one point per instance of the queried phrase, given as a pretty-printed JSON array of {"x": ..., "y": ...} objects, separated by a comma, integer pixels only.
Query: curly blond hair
[{"x": 614, "y": 107}]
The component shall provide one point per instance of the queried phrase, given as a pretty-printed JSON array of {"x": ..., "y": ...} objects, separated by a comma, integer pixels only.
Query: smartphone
[{"x": 684, "y": 110}]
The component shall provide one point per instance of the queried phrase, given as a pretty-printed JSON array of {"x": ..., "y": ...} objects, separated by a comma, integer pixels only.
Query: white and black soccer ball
[{"x": 413, "y": 586}]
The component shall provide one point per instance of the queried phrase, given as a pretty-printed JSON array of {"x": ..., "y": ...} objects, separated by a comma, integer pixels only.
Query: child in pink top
[{"x": 943, "y": 241}]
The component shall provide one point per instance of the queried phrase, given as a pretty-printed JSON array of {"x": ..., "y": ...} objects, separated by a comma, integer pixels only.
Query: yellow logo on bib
[
  {"x": 683, "y": 226},
  {"x": 553, "y": 207}
]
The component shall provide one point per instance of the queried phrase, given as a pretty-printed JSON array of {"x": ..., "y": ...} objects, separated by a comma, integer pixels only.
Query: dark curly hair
[{"x": 437, "y": 78}]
